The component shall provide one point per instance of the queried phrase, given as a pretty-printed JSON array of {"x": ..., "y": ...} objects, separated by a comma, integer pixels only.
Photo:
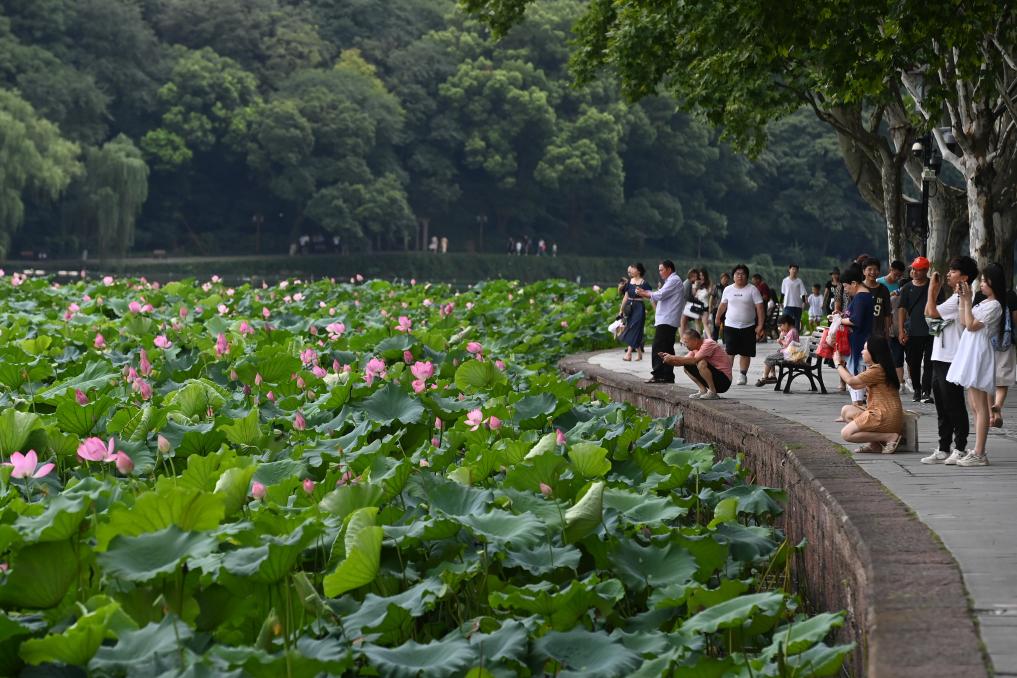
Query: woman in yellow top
[{"x": 880, "y": 423}]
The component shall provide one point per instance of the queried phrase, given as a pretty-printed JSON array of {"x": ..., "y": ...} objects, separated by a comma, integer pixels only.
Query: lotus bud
[
  {"x": 164, "y": 444},
  {"x": 308, "y": 486},
  {"x": 80, "y": 396},
  {"x": 258, "y": 491}
]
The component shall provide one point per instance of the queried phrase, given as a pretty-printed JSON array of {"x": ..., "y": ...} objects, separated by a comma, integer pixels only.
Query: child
[
  {"x": 815, "y": 301},
  {"x": 788, "y": 335}
]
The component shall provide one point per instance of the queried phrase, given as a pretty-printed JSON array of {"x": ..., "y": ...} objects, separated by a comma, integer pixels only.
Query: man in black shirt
[
  {"x": 914, "y": 331},
  {"x": 880, "y": 297}
]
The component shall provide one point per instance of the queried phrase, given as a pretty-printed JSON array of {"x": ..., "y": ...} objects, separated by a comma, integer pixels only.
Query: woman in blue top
[
  {"x": 634, "y": 330},
  {"x": 858, "y": 316}
]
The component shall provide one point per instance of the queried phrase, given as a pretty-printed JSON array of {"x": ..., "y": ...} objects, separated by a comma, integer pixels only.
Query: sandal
[
  {"x": 996, "y": 421},
  {"x": 866, "y": 449},
  {"x": 761, "y": 382},
  {"x": 891, "y": 447}
]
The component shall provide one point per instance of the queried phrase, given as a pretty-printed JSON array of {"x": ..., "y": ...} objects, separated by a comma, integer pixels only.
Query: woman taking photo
[
  {"x": 974, "y": 363},
  {"x": 633, "y": 312},
  {"x": 880, "y": 422}
]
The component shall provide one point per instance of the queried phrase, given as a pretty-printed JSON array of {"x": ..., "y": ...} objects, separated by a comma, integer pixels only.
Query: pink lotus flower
[
  {"x": 494, "y": 423},
  {"x": 163, "y": 444},
  {"x": 107, "y": 280},
  {"x": 422, "y": 370},
  {"x": 93, "y": 449},
  {"x": 80, "y": 396},
  {"x": 124, "y": 463},
  {"x": 407, "y": 357},
  {"x": 308, "y": 486},
  {"x": 559, "y": 436},
  {"x": 375, "y": 368},
  {"x": 143, "y": 387},
  {"x": 474, "y": 419},
  {"x": 162, "y": 342},
  {"x": 301, "y": 383},
  {"x": 221, "y": 345},
  {"x": 27, "y": 466},
  {"x": 245, "y": 327},
  {"x": 258, "y": 490},
  {"x": 145, "y": 364},
  {"x": 265, "y": 313},
  {"x": 359, "y": 278},
  {"x": 447, "y": 309},
  {"x": 424, "y": 463},
  {"x": 428, "y": 302},
  {"x": 469, "y": 305},
  {"x": 545, "y": 489},
  {"x": 233, "y": 375},
  {"x": 405, "y": 324},
  {"x": 418, "y": 385},
  {"x": 223, "y": 309},
  {"x": 299, "y": 423},
  {"x": 182, "y": 312},
  {"x": 344, "y": 479},
  {"x": 438, "y": 424},
  {"x": 319, "y": 371},
  {"x": 134, "y": 307},
  {"x": 257, "y": 379},
  {"x": 434, "y": 442},
  {"x": 99, "y": 341},
  {"x": 216, "y": 279},
  {"x": 308, "y": 356},
  {"x": 270, "y": 396},
  {"x": 474, "y": 347},
  {"x": 564, "y": 323},
  {"x": 500, "y": 364},
  {"x": 73, "y": 308}
]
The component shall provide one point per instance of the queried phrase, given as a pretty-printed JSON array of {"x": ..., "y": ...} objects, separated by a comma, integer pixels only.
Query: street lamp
[
  {"x": 481, "y": 222},
  {"x": 926, "y": 150}
]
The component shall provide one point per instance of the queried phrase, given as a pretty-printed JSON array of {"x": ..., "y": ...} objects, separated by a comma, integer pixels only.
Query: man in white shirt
[
  {"x": 951, "y": 412},
  {"x": 668, "y": 302},
  {"x": 793, "y": 292},
  {"x": 741, "y": 311}
]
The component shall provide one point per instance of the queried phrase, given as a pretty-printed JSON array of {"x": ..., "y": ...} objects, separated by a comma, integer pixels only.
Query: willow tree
[
  {"x": 116, "y": 183},
  {"x": 34, "y": 159}
]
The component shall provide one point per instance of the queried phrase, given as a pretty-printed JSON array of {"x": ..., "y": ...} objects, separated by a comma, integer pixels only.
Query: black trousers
[
  {"x": 918, "y": 352},
  {"x": 663, "y": 341},
  {"x": 721, "y": 381},
  {"x": 951, "y": 412}
]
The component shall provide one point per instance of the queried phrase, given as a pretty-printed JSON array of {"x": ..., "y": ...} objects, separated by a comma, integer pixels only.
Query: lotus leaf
[
  {"x": 586, "y": 653},
  {"x": 148, "y": 555}
]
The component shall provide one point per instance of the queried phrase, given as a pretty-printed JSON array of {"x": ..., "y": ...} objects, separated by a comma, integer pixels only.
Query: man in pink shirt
[{"x": 707, "y": 364}]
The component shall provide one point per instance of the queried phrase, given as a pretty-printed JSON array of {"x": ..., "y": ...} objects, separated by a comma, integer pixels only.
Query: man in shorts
[
  {"x": 741, "y": 312},
  {"x": 707, "y": 364}
]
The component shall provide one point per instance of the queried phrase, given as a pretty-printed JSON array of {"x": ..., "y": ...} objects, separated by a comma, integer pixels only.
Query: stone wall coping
[{"x": 867, "y": 553}]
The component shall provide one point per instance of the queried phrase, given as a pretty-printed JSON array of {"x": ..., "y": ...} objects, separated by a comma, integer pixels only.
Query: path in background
[{"x": 973, "y": 510}]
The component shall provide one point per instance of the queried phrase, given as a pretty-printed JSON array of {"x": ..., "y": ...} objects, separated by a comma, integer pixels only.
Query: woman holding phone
[{"x": 974, "y": 364}]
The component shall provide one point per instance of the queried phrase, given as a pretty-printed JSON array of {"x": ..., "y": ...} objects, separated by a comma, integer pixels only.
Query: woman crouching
[{"x": 879, "y": 424}]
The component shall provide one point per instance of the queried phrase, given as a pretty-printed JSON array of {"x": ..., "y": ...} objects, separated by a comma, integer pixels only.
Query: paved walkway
[{"x": 973, "y": 510}]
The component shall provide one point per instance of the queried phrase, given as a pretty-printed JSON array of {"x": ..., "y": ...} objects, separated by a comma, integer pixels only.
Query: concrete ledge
[{"x": 867, "y": 553}]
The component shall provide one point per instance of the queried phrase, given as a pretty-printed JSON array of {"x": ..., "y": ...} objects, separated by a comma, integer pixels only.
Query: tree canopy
[{"x": 242, "y": 126}]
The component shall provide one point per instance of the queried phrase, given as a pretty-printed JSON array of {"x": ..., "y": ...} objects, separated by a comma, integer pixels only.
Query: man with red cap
[{"x": 914, "y": 331}]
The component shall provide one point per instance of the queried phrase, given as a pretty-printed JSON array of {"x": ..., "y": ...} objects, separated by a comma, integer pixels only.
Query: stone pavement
[{"x": 973, "y": 510}]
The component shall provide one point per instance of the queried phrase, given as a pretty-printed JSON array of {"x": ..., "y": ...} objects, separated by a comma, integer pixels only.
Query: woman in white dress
[{"x": 974, "y": 363}]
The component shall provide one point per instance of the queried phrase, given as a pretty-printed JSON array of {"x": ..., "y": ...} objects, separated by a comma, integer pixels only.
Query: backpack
[{"x": 1006, "y": 341}]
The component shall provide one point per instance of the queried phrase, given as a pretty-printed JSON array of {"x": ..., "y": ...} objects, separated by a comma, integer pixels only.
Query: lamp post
[{"x": 926, "y": 150}]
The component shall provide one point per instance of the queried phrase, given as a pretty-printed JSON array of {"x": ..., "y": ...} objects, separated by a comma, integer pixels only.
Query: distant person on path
[
  {"x": 974, "y": 363},
  {"x": 881, "y": 308},
  {"x": 764, "y": 290},
  {"x": 815, "y": 302},
  {"x": 554, "y": 249},
  {"x": 634, "y": 316},
  {"x": 913, "y": 331},
  {"x": 706, "y": 364},
  {"x": 725, "y": 280},
  {"x": 880, "y": 422},
  {"x": 706, "y": 293},
  {"x": 444, "y": 245},
  {"x": 689, "y": 290},
  {"x": 519, "y": 247},
  {"x": 859, "y": 317},
  {"x": 951, "y": 411},
  {"x": 893, "y": 282},
  {"x": 541, "y": 248},
  {"x": 741, "y": 311},
  {"x": 793, "y": 294},
  {"x": 833, "y": 293},
  {"x": 669, "y": 301},
  {"x": 432, "y": 246},
  {"x": 788, "y": 335}
]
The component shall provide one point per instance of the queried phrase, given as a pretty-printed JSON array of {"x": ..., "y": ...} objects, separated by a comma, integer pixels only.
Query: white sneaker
[
  {"x": 972, "y": 459},
  {"x": 742, "y": 379},
  {"x": 709, "y": 395},
  {"x": 697, "y": 396},
  {"x": 954, "y": 457},
  {"x": 937, "y": 457}
]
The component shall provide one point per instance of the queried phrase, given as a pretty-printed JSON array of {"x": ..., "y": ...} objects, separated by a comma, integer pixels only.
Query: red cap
[{"x": 920, "y": 262}]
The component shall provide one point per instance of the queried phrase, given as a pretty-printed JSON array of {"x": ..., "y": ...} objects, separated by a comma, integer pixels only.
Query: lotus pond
[{"x": 365, "y": 479}]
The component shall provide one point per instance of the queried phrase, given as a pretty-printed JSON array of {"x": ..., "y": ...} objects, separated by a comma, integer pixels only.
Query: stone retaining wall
[{"x": 867, "y": 553}]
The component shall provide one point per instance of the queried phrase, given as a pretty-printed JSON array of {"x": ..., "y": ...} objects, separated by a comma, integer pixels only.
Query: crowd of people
[
  {"x": 526, "y": 245},
  {"x": 951, "y": 331}
]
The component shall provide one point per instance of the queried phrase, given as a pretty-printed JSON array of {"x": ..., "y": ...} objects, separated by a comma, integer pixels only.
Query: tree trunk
[
  {"x": 978, "y": 175},
  {"x": 892, "y": 203},
  {"x": 948, "y": 224}
]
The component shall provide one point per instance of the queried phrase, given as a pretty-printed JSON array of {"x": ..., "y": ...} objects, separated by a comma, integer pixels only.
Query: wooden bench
[{"x": 811, "y": 367}]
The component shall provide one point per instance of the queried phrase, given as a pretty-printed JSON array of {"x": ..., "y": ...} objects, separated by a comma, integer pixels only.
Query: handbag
[
  {"x": 1004, "y": 342},
  {"x": 616, "y": 328},
  {"x": 626, "y": 310}
]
